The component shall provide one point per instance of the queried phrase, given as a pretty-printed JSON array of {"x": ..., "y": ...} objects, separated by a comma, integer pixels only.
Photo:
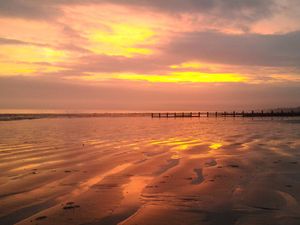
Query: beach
[{"x": 142, "y": 170}]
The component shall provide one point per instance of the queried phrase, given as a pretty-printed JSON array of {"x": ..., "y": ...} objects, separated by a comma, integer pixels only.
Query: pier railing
[{"x": 225, "y": 114}]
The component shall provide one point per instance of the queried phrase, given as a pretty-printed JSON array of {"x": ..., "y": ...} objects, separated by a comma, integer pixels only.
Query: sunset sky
[{"x": 149, "y": 54}]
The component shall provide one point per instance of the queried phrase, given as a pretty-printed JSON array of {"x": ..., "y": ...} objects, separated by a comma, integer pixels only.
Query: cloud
[
  {"x": 250, "y": 10},
  {"x": 112, "y": 64},
  {"x": 233, "y": 9},
  {"x": 30, "y": 9},
  {"x": 7, "y": 41},
  {"x": 42, "y": 93},
  {"x": 246, "y": 49},
  {"x": 258, "y": 57}
]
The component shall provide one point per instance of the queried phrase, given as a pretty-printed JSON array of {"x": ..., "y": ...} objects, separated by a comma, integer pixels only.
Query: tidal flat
[{"x": 144, "y": 171}]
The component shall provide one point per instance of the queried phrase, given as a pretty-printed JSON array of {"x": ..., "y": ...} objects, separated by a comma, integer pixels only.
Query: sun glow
[
  {"x": 29, "y": 60},
  {"x": 8, "y": 68},
  {"x": 172, "y": 77},
  {"x": 30, "y": 54},
  {"x": 185, "y": 77},
  {"x": 122, "y": 39},
  {"x": 27, "y": 69}
]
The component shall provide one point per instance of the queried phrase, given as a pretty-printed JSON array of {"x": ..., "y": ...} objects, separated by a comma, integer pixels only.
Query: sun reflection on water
[
  {"x": 182, "y": 147},
  {"x": 215, "y": 146}
]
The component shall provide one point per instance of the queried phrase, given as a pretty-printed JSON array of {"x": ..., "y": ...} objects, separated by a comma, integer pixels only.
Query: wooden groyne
[{"x": 225, "y": 114}]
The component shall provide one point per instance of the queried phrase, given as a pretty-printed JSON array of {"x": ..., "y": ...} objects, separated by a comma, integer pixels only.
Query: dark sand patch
[
  {"x": 199, "y": 177},
  {"x": 170, "y": 164},
  {"x": 197, "y": 149},
  {"x": 210, "y": 162},
  {"x": 24, "y": 213}
]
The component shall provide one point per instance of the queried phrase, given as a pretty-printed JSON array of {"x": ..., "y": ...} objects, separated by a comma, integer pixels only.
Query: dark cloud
[
  {"x": 114, "y": 64},
  {"x": 7, "y": 41},
  {"x": 67, "y": 47},
  {"x": 250, "y": 10},
  {"x": 246, "y": 49},
  {"x": 246, "y": 9},
  {"x": 30, "y": 9}
]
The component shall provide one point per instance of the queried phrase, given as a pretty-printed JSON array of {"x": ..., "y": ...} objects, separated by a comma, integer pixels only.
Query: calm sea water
[{"x": 150, "y": 171}]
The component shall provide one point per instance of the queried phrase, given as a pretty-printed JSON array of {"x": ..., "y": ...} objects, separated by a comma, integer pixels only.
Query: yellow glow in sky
[
  {"x": 29, "y": 60},
  {"x": 122, "y": 39},
  {"x": 13, "y": 69},
  {"x": 81, "y": 32},
  {"x": 177, "y": 77},
  {"x": 21, "y": 53}
]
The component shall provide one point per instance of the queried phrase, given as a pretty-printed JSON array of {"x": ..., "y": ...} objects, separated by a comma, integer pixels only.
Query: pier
[{"x": 225, "y": 114}]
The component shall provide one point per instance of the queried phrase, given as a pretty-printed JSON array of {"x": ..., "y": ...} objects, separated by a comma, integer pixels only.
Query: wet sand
[{"x": 135, "y": 171}]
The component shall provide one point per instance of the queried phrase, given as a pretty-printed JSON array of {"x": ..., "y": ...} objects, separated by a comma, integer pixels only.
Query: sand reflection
[
  {"x": 86, "y": 185},
  {"x": 215, "y": 146},
  {"x": 143, "y": 171}
]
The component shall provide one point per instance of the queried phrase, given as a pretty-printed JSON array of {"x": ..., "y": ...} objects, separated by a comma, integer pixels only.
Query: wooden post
[{"x": 234, "y": 113}]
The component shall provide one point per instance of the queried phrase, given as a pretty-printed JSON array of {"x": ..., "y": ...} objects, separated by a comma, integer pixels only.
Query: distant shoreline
[
  {"x": 34, "y": 116},
  {"x": 31, "y": 116}
]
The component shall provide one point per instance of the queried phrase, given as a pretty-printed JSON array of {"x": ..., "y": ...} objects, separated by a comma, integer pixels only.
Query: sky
[{"x": 144, "y": 55}]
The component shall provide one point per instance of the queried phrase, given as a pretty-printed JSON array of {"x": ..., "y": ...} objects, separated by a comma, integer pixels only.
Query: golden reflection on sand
[
  {"x": 173, "y": 141},
  {"x": 26, "y": 167},
  {"x": 215, "y": 146},
  {"x": 279, "y": 151},
  {"x": 176, "y": 156},
  {"x": 35, "y": 165},
  {"x": 132, "y": 190},
  {"x": 144, "y": 171},
  {"x": 182, "y": 146},
  {"x": 179, "y": 147},
  {"x": 86, "y": 185}
]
